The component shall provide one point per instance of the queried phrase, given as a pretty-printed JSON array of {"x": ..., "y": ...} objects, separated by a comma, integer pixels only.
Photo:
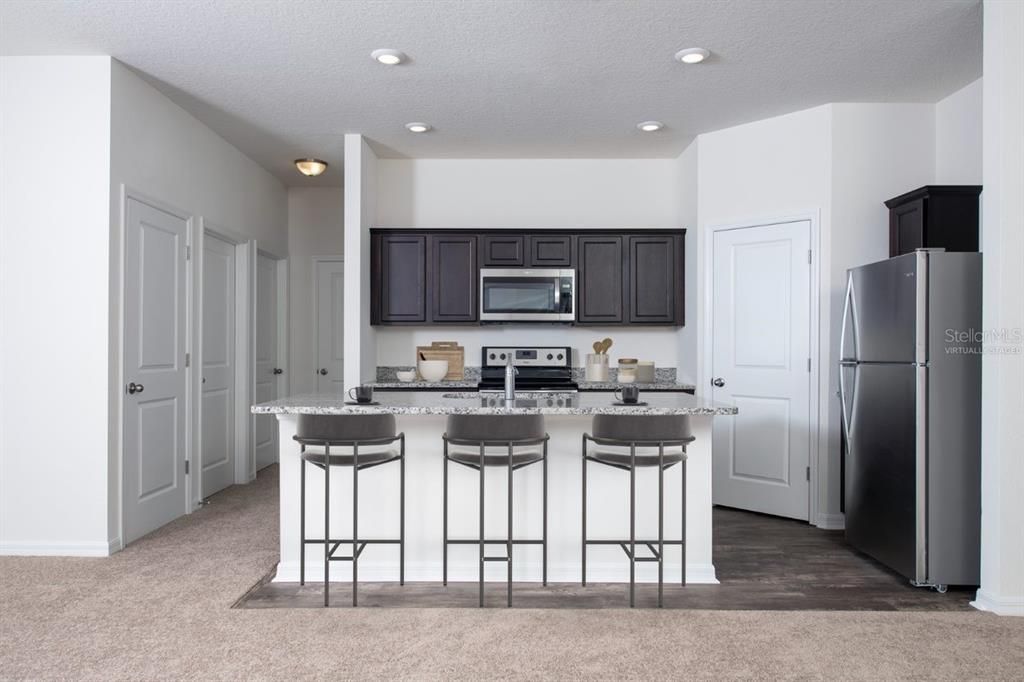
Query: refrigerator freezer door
[
  {"x": 883, "y": 307},
  {"x": 881, "y": 465}
]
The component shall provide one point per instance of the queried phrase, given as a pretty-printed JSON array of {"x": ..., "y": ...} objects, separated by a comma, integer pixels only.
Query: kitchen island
[{"x": 421, "y": 416}]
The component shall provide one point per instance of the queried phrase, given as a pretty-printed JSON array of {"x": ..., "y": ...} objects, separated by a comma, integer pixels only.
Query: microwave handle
[{"x": 558, "y": 293}]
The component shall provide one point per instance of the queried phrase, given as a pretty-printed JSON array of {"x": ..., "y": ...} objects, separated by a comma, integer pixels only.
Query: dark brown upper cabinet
[
  {"x": 502, "y": 251},
  {"x": 549, "y": 251},
  {"x": 934, "y": 216},
  {"x": 433, "y": 276},
  {"x": 655, "y": 289},
  {"x": 599, "y": 281},
  {"x": 453, "y": 275},
  {"x": 399, "y": 291}
]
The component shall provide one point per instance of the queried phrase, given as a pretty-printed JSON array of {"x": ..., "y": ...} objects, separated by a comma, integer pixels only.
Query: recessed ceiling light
[
  {"x": 692, "y": 55},
  {"x": 417, "y": 127},
  {"x": 388, "y": 57},
  {"x": 311, "y": 167},
  {"x": 650, "y": 126}
]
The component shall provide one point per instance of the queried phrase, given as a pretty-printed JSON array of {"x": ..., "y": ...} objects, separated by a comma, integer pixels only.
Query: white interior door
[
  {"x": 266, "y": 368},
  {"x": 330, "y": 319},
  {"x": 760, "y": 362},
  {"x": 155, "y": 484},
  {"x": 218, "y": 374}
]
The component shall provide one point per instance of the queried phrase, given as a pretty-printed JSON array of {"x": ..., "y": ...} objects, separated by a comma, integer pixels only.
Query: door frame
[
  {"x": 127, "y": 193},
  {"x": 283, "y": 380},
  {"x": 706, "y": 335},
  {"x": 243, "y": 343},
  {"x": 316, "y": 301}
]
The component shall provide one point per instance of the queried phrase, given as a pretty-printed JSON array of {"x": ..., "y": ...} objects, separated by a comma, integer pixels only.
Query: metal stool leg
[
  {"x": 302, "y": 521},
  {"x": 632, "y": 524},
  {"x": 584, "y": 572},
  {"x": 509, "y": 524},
  {"x": 401, "y": 513},
  {"x": 444, "y": 488},
  {"x": 661, "y": 522},
  {"x": 481, "y": 524},
  {"x": 327, "y": 525},
  {"x": 544, "y": 537},
  {"x": 355, "y": 522},
  {"x": 682, "y": 465}
]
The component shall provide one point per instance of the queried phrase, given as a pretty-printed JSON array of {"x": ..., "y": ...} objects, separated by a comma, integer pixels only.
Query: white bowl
[
  {"x": 433, "y": 370},
  {"x": 406, "y": 375}
]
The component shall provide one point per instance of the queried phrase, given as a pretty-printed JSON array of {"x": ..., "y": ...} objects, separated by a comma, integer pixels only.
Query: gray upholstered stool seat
[
  {"x": 359, "y": 442},
  {"x": 511, "y": 441},
  {"x": 629, "y": 442}
]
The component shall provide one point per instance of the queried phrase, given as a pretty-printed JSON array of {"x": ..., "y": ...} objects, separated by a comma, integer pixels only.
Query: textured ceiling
[{"x": 506, "y": 78}]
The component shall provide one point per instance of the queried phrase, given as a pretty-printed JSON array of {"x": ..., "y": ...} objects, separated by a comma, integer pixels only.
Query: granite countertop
[
  {"x": 583, "y": 385},
  {"x": 433, "y": 403}
]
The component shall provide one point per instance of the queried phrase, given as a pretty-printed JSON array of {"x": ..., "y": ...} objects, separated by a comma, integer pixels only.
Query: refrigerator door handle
[
  {"x": 844, "y": 395},
  {"x": 849, "y": 324}
]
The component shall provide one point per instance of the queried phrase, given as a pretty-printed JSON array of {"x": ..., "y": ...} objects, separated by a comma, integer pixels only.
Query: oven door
[{"x": 527, "y": 295}]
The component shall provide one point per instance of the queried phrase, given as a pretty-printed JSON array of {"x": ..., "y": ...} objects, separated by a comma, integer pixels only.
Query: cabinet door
[
  {"x": 499, "y": 250},
  {"x": 549, "y": 251},
  {"x": 906, "y": 228},
  {"x": 454, "y": 276},
  {"x": 655, "y": 267},
  {"x": 403, "y": 278},
  {"x": 600, "y": 280}
]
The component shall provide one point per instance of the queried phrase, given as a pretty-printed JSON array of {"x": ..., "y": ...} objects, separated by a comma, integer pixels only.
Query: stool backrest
[
  {"x": 642, "y": 427},
  {"x": 495, "y": 427},
  {"x": 345, "y": 427}
]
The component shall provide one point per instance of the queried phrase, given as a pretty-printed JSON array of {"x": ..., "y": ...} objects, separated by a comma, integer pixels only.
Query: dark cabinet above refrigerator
[
  {"x": 934, "y": 216},
  {"x": 432, "y": 277}
]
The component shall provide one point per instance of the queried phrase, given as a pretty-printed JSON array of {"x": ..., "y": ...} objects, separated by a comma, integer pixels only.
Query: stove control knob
[
  {"x": 550, "y": 356},
  {"x": 561, "y": 357},
  {"x": 492, "y": 356},
  {"x": 502, "y": 356}
]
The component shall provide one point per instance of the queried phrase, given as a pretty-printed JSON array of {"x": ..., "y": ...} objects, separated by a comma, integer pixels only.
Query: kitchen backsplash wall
[{"x": 396, "y": 346}]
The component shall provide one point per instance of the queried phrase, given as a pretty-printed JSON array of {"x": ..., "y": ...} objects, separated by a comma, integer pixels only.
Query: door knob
[
  {"x": 718, "y": 382},
  {"x": 134, "y": 388},
  {"x": 323, "y": 372},
  {"x": 278, "y": 370}
]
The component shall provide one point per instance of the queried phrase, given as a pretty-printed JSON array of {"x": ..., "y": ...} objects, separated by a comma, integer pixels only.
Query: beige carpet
[{"x": 162, "y": 610}]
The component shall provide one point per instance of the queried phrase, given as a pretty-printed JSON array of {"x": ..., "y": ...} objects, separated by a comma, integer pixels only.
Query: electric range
[{"x": 541, "y": 368}]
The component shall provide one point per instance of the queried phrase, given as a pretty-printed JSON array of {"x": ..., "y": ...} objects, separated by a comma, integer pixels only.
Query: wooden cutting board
[{"x": 445, "y": 350}]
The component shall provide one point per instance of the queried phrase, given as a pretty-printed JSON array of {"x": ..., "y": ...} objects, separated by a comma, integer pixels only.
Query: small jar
[{"x": 627, "y": 374}]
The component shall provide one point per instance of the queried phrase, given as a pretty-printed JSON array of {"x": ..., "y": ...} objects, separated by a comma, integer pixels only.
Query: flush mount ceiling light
[
  {"x": 389, "y": 57},
  {"x": 692, "y": 55},
  {"x": 417, "y": 127},
  {"x": 311, "y": 167},
  {"x": 650, "y": 126}
]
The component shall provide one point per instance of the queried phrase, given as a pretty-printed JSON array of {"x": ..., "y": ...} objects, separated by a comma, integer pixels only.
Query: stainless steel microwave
[{"x": 527, "y": 295}]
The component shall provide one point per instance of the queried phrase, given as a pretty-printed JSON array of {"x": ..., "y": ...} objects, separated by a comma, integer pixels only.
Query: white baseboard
[
  {"x": 90, "y": 549},
  {"x": 703, "y": 574},
  {"x": 1001, "y": 606},
  {"x": 831, "y": 521}
]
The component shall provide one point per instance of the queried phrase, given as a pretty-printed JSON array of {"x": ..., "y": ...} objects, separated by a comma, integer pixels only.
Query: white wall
[
  {"x": 162, "y": 151},
  {"x": 686, "y": 192},
  {"x": 527, "y": 193},
  {"x": 360, "y": 210},
  {"x": 54, "y": 257},
  {"x": 958, "y": 137},
  {"x": 1002, "y": 401},
  {"x": 315, "y": 228}
]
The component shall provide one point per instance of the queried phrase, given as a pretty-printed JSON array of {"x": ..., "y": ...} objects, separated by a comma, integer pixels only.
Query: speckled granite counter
[
  {"x": 434, "y": 403},
  {"x": 656, "y": 386},
  {"x": 471, "y": 385}
]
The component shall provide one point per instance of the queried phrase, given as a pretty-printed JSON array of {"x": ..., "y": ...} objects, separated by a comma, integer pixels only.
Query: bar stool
[
  {"x": 619, "y": 437},
  {"x": 373, "y": 431},
  {"x": 523, "y": 442}
]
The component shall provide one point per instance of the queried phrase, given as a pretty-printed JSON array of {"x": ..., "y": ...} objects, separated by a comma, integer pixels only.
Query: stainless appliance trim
[
  {"x": 921, "y": 462},
  {"x": 538, "y": 273}
]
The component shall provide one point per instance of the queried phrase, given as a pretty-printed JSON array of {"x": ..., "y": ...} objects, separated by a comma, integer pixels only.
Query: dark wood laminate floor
[{"x": 763, "y": 563}]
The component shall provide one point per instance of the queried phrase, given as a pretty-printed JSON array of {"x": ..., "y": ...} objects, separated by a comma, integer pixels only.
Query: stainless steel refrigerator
[{"x": 910, "y": 388}]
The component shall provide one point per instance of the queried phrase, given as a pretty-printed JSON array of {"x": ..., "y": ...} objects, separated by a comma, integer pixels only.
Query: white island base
[{"x": 607, "y": 511}]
